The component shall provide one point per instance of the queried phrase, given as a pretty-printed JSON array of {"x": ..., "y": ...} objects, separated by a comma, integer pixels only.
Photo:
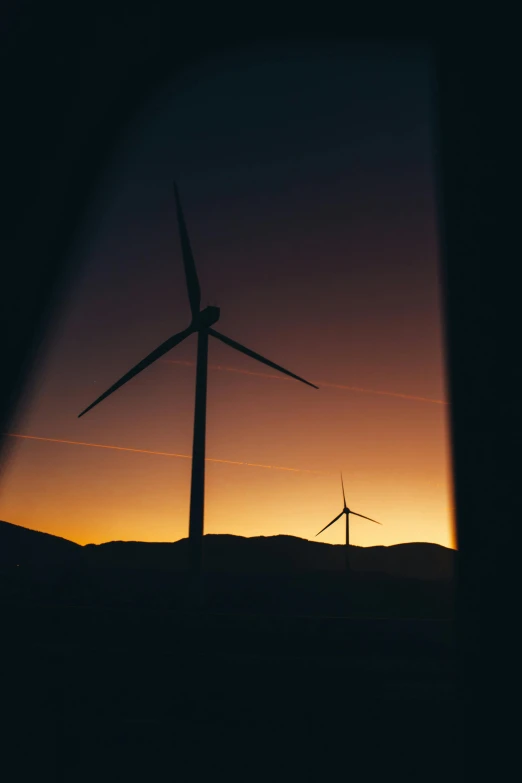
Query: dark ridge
[
  {"x": 20, "y": 546},
  {"x": 282, "y": 574},
  {"x": 227, "y": 553}
]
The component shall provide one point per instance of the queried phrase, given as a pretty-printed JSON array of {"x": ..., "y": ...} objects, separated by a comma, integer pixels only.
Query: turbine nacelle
[{"x": 206, "y": 318}]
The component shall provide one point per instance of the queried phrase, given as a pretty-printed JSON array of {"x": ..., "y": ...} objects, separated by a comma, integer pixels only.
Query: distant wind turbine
[
  {"x": 347, "y": 512},
  {"x": 201, "y": 323}
]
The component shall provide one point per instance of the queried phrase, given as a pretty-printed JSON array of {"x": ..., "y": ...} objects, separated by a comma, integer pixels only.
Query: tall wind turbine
[
  {"x": 347, "y": 512},
  {"x": 201, "y": 323}
]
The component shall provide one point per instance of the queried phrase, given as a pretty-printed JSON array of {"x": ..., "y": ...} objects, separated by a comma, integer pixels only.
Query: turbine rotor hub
[{"x": 207, "y": 317}]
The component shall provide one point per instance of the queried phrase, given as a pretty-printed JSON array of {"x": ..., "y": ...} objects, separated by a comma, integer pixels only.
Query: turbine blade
[
  {"x": 163, "y": 348},
  {"x": 191, "y": 275},
  {"x": 363, "y": 517},
  {"x": 329, "y": 523},
  {"x": 342, "y": 484},
  {"x": 254, "y": 355}
]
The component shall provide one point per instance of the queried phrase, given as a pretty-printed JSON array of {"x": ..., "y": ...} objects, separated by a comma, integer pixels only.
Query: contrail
[
  {"x": 385, "y": 393},
  {"x": 162, "y": 453},
  {"x": 319, "y": 383}
]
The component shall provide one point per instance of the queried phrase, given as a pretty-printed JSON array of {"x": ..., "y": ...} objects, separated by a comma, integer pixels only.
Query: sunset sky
[{"x": 307, "y": 184}]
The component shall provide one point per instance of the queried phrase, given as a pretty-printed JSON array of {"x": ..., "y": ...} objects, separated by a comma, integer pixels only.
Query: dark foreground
[{"x": 95, "y": 694}]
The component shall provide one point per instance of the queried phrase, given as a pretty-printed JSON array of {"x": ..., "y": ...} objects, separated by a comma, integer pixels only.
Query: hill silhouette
[
  {"x": 281, "y": 574},
  {"x": 21, "y": 546}
]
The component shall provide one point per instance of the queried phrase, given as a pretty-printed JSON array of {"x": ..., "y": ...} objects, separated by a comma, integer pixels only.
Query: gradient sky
[{"x": 307, "y": 185}]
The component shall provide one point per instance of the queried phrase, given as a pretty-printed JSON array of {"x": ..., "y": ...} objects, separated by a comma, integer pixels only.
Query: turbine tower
[
  {"x": 347, "y": 512},
  {"x": 201, "y": 324}
]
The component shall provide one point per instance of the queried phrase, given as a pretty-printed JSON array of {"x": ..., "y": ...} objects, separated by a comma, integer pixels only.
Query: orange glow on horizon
[{"x": 65, "y": 524}]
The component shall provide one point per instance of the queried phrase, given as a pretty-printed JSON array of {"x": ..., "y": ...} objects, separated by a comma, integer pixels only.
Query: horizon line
[{"x": 232, "y": 535}]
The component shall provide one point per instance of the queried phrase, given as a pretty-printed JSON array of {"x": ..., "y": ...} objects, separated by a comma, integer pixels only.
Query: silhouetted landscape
[
  {"x": 262, "y": 574},
  {"x": 103, "y": 650},
  {"x": 217, "y": 629}
]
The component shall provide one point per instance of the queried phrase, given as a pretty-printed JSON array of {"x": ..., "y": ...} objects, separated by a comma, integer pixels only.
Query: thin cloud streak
[
  {"x": 162, "y": 453},
  {"x": 319, "y": 383}
]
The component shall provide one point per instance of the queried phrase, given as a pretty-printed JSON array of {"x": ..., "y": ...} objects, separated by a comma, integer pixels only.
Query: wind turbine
[
  {"x": 347, "y": 512},
  {"x": 201, "y": 324}
]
